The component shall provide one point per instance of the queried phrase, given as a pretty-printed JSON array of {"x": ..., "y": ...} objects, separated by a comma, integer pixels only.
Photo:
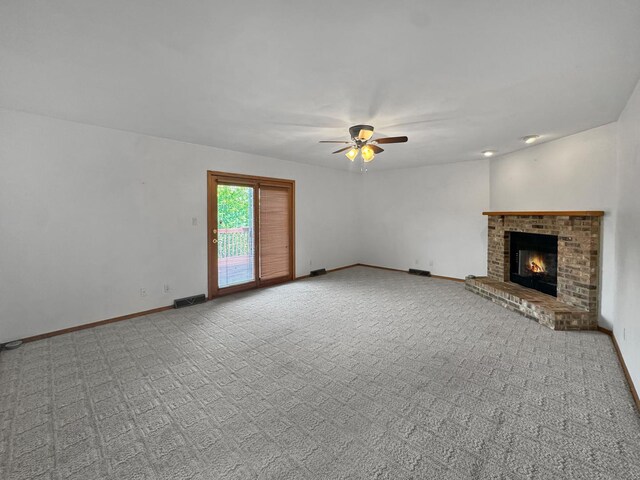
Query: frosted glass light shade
[
  {"x": 367, "y": 153},
  {"x": 365, "y": 134}
]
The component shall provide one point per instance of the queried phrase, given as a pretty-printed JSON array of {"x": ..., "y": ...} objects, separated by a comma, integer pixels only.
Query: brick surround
[{"x": 576, "y": 306}]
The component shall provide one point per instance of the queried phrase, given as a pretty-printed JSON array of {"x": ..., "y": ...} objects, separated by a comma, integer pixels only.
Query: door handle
[{"x": 215, "y": 240}]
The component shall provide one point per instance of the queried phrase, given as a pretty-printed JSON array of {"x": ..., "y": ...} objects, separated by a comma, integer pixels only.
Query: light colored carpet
[{"x": 359, "y": 374}]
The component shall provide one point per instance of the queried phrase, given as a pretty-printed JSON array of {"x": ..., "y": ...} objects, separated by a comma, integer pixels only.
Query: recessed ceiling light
[
  {"x": 489, "y": 153},
  {"x": 530, "y": 138}
]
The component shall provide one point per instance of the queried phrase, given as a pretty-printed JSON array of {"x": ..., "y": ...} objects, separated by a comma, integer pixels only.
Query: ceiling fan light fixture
[
  {"x": 361, "y": 132},
  {"x": 352, "y": 154},
  {"x": 365, "y": 134},
  {"x": 367, "y": 153},
  {"x": 363, "y": 143}
]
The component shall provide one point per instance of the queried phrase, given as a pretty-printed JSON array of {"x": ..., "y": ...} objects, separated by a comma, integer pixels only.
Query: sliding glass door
[
  {"x": 235, "y": 235},
  {"x": 251, "y": 232}
]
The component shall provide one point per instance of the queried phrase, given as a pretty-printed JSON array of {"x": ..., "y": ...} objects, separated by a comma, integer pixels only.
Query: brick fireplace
[{"x": 566, "y": 263}]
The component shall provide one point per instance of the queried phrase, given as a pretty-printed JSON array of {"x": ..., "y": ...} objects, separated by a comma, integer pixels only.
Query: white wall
[
  {"x": 627, "y": 324},
  {"x": 428, "y": 218},
  {"x": 90, "y": 215},
  {"x": 573, "y": 173}
]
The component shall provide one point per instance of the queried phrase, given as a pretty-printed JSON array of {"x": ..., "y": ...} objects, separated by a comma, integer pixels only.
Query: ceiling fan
[{"x": 361, "y": 142}]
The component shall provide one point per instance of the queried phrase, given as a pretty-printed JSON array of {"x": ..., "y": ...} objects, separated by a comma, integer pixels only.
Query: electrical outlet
[
  {"x": 415, "y": 261},
  {"x": 143, "y": 292},
  {"x": 166, "y": 289},
  {"x": 194, "y": 221},
  {"x": 431, "y": 263}
]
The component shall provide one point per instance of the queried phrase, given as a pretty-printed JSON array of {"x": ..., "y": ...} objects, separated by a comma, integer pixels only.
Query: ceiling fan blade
[
  {"x": 376, "y": 149},
  {"x": 391, "y": 140},
  {"x": 331, "y": 141},
  {"x": 342, "y": 149}
]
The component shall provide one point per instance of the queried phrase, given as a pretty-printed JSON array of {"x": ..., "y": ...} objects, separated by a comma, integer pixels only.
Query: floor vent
[
  {"x": 320, "y": 271},
  {"x": 420, "y": 273},
  {"x": 188, "y": 301},
  {"x": 11, "y": 345}
]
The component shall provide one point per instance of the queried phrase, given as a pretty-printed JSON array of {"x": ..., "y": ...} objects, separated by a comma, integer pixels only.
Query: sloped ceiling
[{"x": 274, "y": 77}]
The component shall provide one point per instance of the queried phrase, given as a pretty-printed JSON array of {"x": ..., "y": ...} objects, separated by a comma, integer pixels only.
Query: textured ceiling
[{"x": 274, "y": 77}]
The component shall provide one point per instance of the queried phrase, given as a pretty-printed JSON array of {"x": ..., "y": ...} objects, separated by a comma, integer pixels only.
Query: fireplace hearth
[
  {"x": 534, "y": 261},
  {"x": 544, "y": 265}
]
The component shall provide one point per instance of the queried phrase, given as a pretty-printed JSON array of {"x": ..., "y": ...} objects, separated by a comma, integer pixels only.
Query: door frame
[{"x": 213, "y": 179}]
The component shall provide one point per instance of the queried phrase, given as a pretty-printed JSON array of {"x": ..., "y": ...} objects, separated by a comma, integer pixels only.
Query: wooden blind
[{"x": 274, "y": 209}]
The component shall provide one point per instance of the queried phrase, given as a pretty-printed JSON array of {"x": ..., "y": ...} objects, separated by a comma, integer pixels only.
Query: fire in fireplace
[{"x": 534, "y": 261}]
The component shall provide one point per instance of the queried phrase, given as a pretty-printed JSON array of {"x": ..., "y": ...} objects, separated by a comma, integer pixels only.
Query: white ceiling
[{"x": 274, "y": 77}]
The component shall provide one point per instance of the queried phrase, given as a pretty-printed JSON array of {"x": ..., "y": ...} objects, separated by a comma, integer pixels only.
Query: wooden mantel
[{"x": 589, "y": 213}]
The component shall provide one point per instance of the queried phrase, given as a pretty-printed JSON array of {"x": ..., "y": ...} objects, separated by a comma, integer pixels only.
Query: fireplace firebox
[{"x": 534, "y": 261}]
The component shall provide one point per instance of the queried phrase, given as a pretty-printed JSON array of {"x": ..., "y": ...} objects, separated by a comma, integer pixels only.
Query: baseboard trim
[
  {"x": 84, "y": 326},
  {"x": 380, "y": 268},
  {"x": 441, "y": 277},
  {"x": 302, "y": 277},
  {"x": 605, "y": 330},
  {"x": 453, "y": 279},
  {"x": 632, "y": 388},
  {"x": 343, "y": 268}
]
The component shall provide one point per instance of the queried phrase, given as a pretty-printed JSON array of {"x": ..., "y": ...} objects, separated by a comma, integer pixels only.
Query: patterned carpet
[{"x": 359, "y": 374}]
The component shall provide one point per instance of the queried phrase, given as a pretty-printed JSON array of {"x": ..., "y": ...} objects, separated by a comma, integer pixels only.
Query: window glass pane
[{"x": 235, "y": 235}]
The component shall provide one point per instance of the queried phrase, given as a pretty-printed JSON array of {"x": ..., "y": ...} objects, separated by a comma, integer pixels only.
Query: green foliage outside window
[
  {"x": 235, "y": 210},
  {"x": 235, "y": 206}
]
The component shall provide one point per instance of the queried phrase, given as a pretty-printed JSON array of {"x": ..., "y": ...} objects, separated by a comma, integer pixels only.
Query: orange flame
[{"x": 535, "y": 264}]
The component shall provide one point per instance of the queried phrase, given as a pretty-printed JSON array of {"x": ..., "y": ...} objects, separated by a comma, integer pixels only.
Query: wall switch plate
[
  {"x": 194, "y": 221},
  {"x": 143, "y": 292},
  {"x": 166, "y": 288}
]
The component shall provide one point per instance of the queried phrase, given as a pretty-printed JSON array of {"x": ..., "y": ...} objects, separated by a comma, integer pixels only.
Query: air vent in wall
[
  {"x": 420, "y": 273},
  {"x": 188, "y": 301}
]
